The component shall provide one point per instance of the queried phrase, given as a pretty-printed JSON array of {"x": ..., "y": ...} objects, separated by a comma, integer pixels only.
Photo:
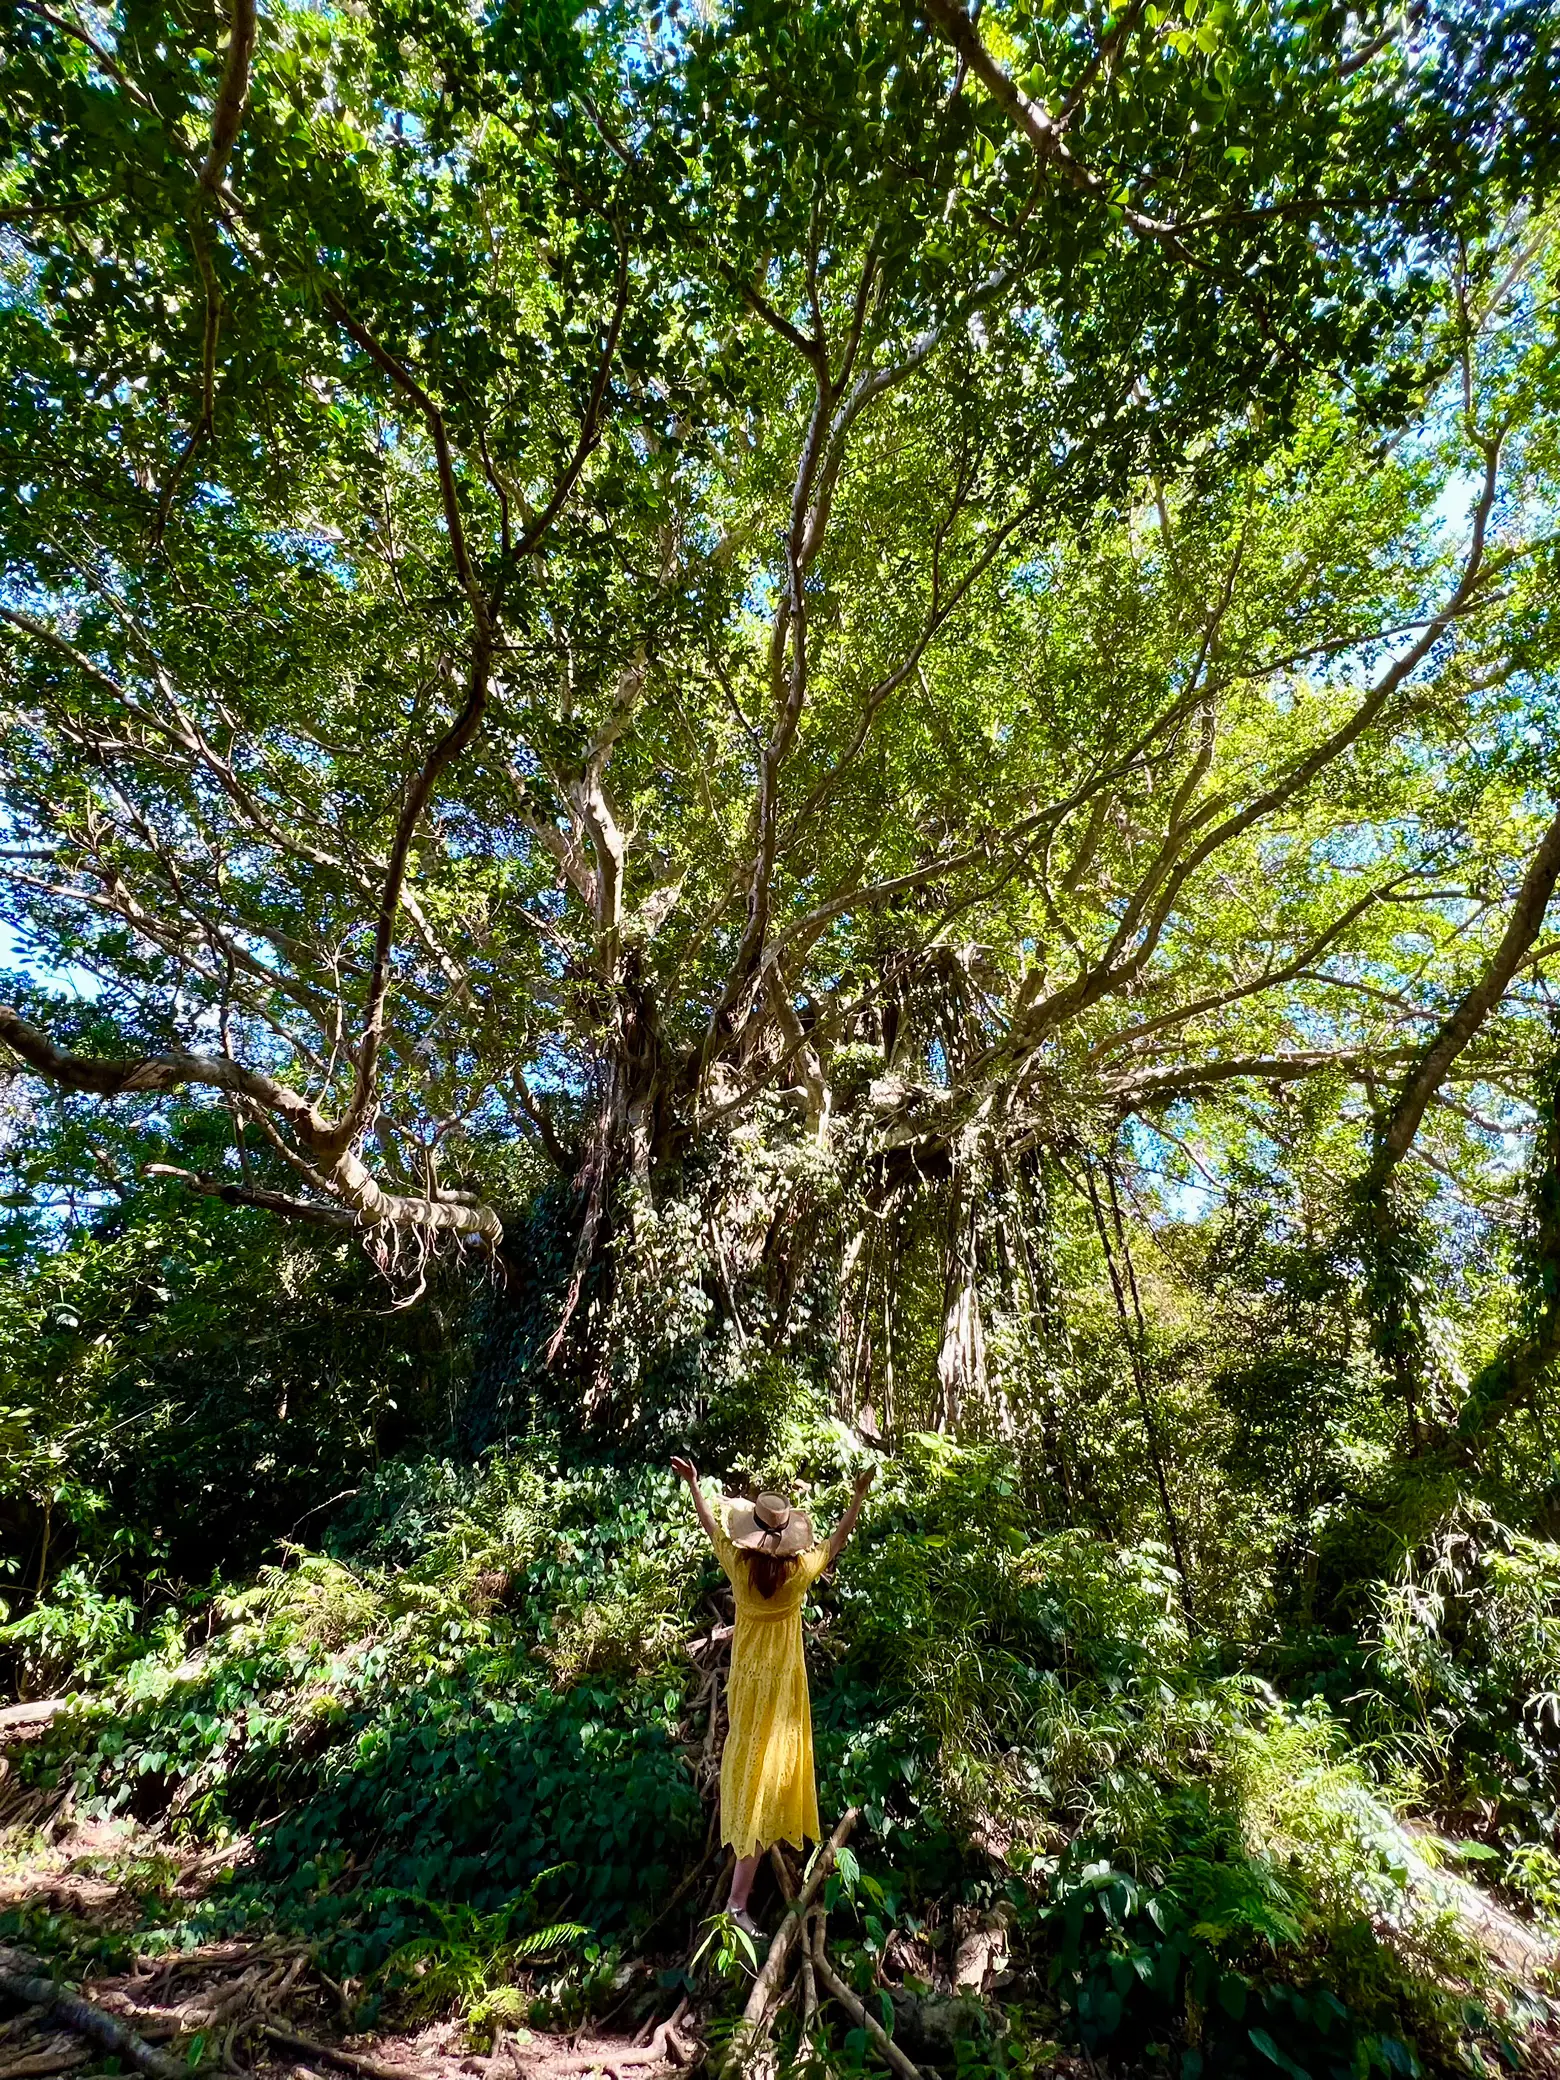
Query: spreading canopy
[{"x": 574, "y": 580}]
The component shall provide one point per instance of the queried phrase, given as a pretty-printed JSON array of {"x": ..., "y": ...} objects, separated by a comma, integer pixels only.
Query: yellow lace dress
[{"x": 767, "y": 1789}]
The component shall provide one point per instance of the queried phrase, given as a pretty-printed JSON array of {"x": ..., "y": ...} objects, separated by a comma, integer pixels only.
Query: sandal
[{"x": 747, "y": 1924}]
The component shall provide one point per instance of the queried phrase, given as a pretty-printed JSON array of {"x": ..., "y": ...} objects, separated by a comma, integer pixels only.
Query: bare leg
[{"x": 742, "y": 1881}]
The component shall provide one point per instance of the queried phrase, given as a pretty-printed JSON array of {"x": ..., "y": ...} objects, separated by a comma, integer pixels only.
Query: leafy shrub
[
  {"x": 78, "y": 1634},
  {"x": 1025, "y": 1672},
  {"x": 1195, "y": 1960},
  {"x": 476, "y": 1696},
  {"x": 1466, "y": 1670},
  {"x": 426, "y": 1745},
  {"x": 634, "y": 1631},
  {"x": 1212, "y": 1859},
  {"x": 1276, "y": 1917},
  {"x": 468, "y": 1961},
  {"x": 192, "y": 1382},
  {"x": 315, "y": 1601}
]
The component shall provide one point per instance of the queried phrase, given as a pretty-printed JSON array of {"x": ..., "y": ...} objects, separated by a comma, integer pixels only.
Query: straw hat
[{"x": 768, "y": 1524}]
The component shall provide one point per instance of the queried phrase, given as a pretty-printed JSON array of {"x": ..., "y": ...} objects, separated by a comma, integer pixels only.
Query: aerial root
[{"x": 404, "y": 1252}]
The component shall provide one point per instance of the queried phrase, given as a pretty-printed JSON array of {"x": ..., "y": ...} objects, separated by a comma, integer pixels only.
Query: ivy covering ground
[{"x": 460, "y": 1732}]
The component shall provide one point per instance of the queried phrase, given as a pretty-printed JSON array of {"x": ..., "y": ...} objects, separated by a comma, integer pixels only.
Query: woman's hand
[
  {"x": 686, "y": 1469},
  {"x": 847, "y": 1523}
]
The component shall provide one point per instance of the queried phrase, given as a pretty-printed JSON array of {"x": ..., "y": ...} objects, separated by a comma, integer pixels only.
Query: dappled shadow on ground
[
  {"x": 100, "y": 1900},
  {"x": 94, "y": 1902}
]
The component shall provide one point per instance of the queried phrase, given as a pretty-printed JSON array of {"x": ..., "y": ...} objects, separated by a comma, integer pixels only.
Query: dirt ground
[{"x": 261, "y": 2005}]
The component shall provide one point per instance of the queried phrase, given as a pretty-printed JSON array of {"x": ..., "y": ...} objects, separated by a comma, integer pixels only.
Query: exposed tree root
[
  {"x": 22, "y": 1983},
  {"x": 232, "y": 2004},
  {"x": 751, "y": 2055},
  {"x": 862, "y": 2016},
  {"x": 666, "y": 2047},
  {"x": 768, "y": 1985},
  {"x": 42, "y": 2063},
  {"x": 353, "y": 2061}
]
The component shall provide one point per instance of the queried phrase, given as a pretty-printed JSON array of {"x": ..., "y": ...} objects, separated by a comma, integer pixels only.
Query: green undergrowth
[{"x": 459, "y": 1737}]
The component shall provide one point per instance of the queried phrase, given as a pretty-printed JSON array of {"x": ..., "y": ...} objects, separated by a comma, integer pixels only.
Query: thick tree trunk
[
  {"x": 634, "y": 1129},
  {"x": 961, "y": 1356}
]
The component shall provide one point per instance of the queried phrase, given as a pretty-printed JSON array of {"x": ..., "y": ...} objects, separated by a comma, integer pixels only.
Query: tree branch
[
  {"x": 1468, "y": 1016},
  {"x": 347, "y": 1178},
  {"x": 233, "y": 92},
  {"x": 1155, "y": 1085},
  {"x": 1144, "y": 916},
  {"x": 231, "y": 1194},
  {"x": 1046, "y": 133},
  {"x": 226, "y": 115}
]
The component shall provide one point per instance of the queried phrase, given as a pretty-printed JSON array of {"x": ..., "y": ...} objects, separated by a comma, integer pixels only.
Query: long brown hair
[{"x": 766, "y": 1571}]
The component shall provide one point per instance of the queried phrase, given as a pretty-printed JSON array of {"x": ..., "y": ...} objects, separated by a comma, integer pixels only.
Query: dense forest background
[{"x": 819, "y": 734}]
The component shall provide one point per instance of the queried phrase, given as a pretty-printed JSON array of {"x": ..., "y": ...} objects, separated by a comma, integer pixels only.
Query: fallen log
[
  {"x": 863, "y": 2017},
  {"x": 21, "y": 1979}
]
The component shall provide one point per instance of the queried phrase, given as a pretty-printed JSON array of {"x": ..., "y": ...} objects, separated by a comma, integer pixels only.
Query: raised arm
[
  {"x": 690, "y": 1473},
  {"x": 847, "y": 1523}
]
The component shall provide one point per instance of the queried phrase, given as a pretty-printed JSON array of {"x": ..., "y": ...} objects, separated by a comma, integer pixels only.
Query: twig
[
  {"x": 719, "y": 1887},
  {"x": 673, "y": 1903}
]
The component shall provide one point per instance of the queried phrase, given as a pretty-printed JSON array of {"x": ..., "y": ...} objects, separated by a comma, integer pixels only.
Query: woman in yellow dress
[{"x": 767, "y": 1789}]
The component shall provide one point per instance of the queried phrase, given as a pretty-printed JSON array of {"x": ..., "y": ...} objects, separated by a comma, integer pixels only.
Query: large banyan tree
[{"x": 783, "y": 615}]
